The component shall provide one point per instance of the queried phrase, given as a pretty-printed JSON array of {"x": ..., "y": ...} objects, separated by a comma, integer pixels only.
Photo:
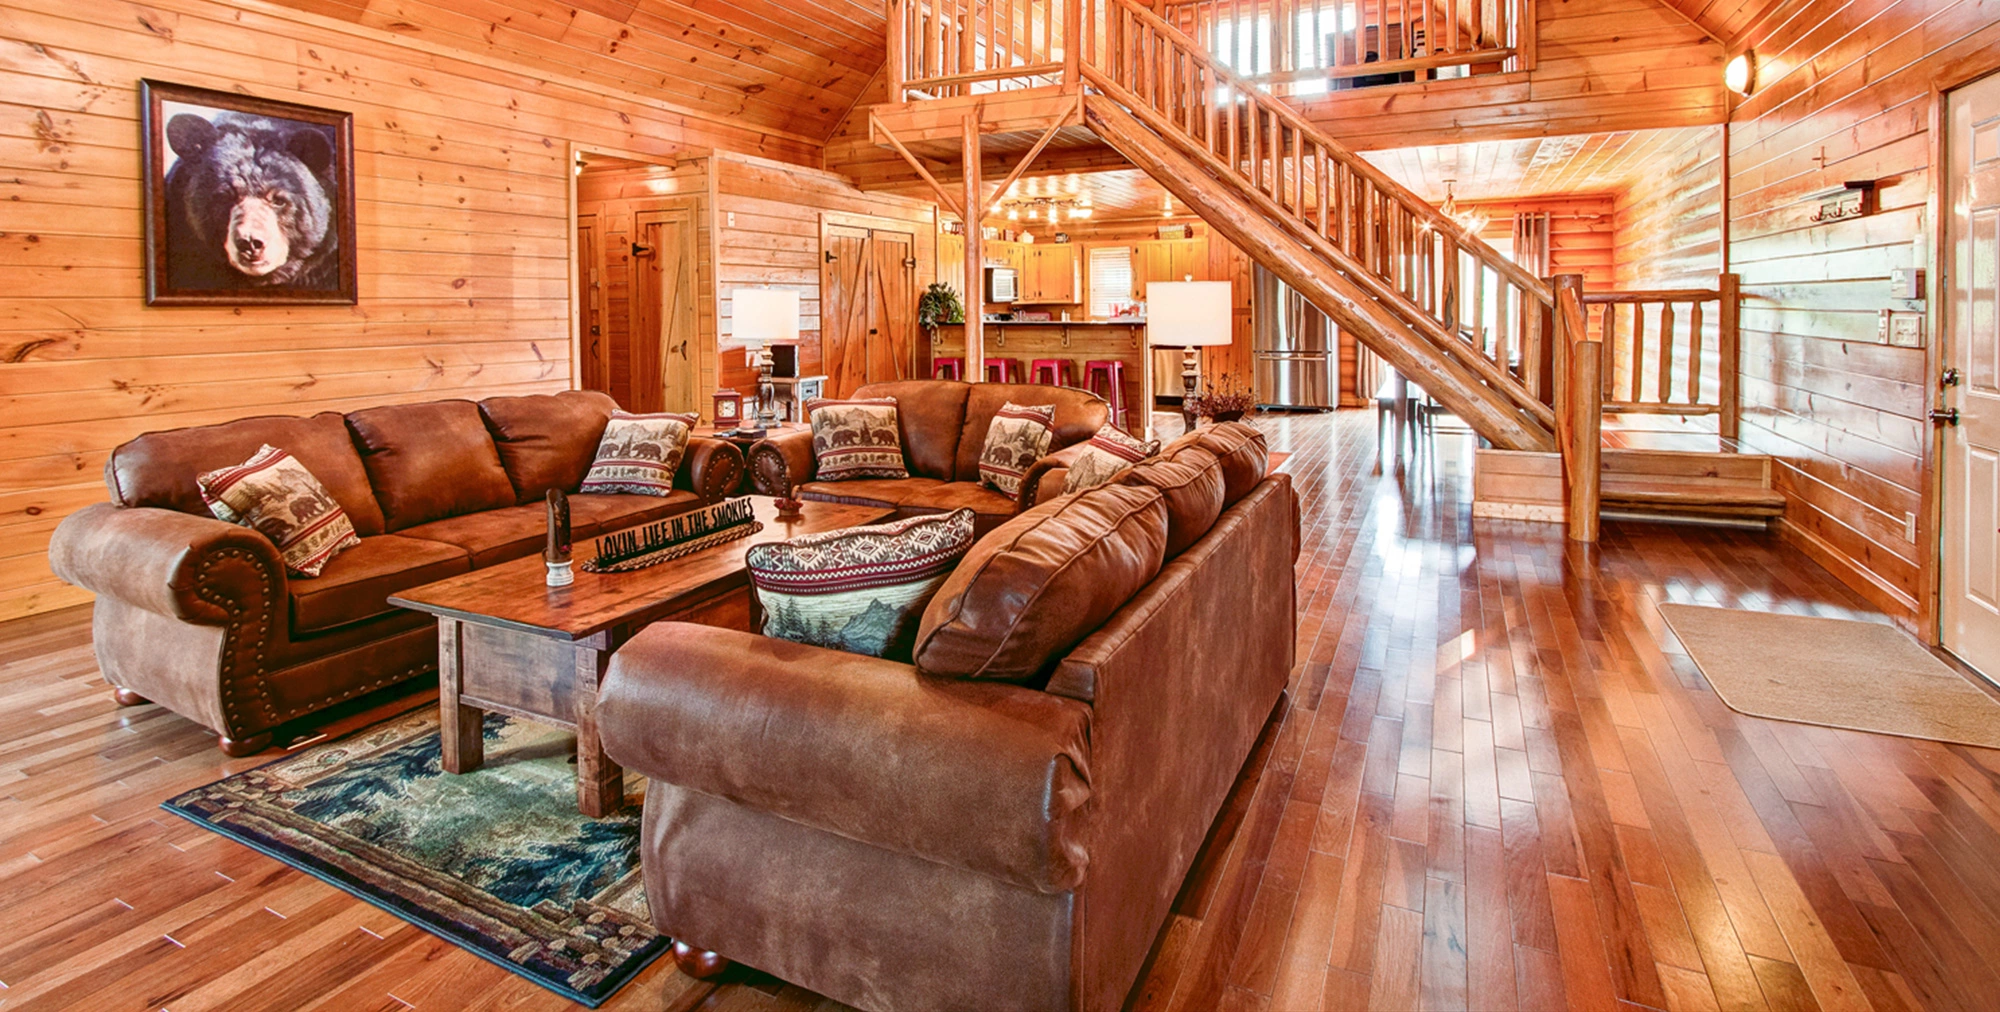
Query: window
[{"x": 1110, "y": 279}]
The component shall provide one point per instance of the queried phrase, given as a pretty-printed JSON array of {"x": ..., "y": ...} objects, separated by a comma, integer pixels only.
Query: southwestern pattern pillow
[
  {"x": 639, "y": 454},
  {"x": 856, "y": 439},
  {"x": 1017, "y": 437},
  {"x": 862, "y": 590},
  {"x": 1110, "y": 451},
  {"x": 276, "y": 496}
]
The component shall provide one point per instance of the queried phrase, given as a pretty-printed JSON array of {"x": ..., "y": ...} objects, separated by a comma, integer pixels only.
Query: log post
[
  {"x": 1073, "y": 45},
  {"x": 893, "y": 70},
  {"x": 974, "y": 205},
  {"x": 1729, "y": 349},
  {"x": 1586, "y": 438}
]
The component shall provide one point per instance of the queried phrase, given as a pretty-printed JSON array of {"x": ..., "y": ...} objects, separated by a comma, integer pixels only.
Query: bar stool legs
[{"x": 1112, "y": 373}]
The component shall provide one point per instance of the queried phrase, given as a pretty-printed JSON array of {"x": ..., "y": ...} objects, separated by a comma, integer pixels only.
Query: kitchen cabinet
[
  {"x": 1050, "y": 273},
  {"x": 1169, "y": 260}
]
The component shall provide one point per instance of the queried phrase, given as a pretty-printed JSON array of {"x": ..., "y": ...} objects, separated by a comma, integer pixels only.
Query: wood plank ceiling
[
  {"x": 1725, "y": 20},
  {"x": 793, "y": 67}
]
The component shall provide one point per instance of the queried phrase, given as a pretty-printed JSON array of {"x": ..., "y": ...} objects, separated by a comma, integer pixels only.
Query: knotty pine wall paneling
[
  {"x": 1668, "y": 224},
  {"x": 463, "y": 220},
  {"x": 1845, "y": 92}
]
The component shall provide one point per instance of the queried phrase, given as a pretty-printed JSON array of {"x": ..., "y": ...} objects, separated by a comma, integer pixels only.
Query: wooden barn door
[
  {"x": 868, "y": 307},
  {"x": 663, "y": 312},
  {"x": 1970, "y": 551}
]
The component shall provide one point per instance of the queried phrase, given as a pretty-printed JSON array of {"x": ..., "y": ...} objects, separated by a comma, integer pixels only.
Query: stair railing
[
  {"x": 1671, "y": 351},
  {"x": 1579, "y": 397},
  {"x": 1298, "y": 47}
]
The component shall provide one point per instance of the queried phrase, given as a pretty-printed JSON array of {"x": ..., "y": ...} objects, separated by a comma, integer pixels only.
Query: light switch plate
[{"x": 1906, "y": 330}]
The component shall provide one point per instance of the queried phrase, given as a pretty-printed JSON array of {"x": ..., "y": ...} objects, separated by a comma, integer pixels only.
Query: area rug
[
  {"x": 1863, "y": 676},
  {"x": 498, "y": 861}
]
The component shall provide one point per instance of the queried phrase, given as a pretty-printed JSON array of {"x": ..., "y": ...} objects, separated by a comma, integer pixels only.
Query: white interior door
[{"x": 1970, "y": 550}]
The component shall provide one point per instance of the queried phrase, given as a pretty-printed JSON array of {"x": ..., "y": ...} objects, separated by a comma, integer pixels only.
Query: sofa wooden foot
[
  {"x": 126, "y": 697},
  {"x": 237, "y": 748},
  {"x": 700, "y": 964}
]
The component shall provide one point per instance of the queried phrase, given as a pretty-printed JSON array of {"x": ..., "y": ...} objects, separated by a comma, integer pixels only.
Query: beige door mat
[{"x": 1863, "y": 676}]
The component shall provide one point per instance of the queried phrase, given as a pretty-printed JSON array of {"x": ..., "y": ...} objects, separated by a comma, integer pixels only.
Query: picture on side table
[{"x": 248, "y": 201}]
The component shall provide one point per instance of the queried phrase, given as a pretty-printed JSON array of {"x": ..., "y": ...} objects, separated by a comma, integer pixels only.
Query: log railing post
[
  {"x": 1728, "y": 346},
  {"x": 1579, "y": 406},
  {"x": 898, "y": 48},
  {"x": 974, "y": 205},
  {"x": 1072, "y": 45}
]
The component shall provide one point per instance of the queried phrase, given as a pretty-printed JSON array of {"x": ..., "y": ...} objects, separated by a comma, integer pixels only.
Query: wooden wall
[
  {"x": 616, "y": 196},
  {"x": 768, "y": 232},
  {"x": 1668, "y": 226},
  {"x": 1844, "y": 92},
  {"x": 1581, "y": 231},
  {"x": 462, "y": 198}
]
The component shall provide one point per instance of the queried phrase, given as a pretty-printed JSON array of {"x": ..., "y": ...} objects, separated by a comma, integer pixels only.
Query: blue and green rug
[{"x": 498, "y": 861}]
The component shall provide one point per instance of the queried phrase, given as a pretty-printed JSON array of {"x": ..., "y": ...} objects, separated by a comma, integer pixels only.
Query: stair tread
[{"x": 1669, "y": 492}]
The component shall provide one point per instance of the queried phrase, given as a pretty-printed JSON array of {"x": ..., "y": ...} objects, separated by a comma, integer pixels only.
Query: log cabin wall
[
  {"x": 1668, "y": 225},
  {"x": 768, "y": 218},
  {"x": 1844, "y": 92},
  {"x": 462, "y": 205}
]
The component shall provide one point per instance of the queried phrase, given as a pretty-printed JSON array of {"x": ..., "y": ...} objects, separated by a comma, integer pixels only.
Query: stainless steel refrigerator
[{"x": 1292, "y": 346}]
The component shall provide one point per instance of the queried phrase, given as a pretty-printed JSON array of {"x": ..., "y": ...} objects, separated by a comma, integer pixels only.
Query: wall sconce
[{"x": 1740, "y": 75}]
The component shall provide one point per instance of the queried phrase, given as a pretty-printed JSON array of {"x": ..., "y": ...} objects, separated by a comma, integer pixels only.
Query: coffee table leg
[
  {"x": 460, "y": 727},
  {"x": 600, "y": 781}
]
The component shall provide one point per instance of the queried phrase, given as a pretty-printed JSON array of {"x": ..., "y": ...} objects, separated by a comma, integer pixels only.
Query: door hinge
[
  {"x": 831, "y": 256},
  {"x": 640, "y": 249}
]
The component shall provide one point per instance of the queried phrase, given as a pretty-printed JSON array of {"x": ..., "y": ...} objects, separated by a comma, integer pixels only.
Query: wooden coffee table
[{"x": 509, "y": 643}]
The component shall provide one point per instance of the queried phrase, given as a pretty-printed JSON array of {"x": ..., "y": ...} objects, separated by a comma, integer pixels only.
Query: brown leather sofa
[
  {"x": 943, "y": 426},
  {"x": 200, "y": 616},
  {"x": 901, "y": 841}
]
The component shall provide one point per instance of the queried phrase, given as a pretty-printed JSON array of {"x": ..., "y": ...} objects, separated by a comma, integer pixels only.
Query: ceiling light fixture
[
  {"x": 1740, "y": 75},
  {"x": 1469, "y": 219}
]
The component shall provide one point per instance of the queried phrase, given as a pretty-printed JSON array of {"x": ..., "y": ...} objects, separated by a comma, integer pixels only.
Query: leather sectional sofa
[
  {"x": 200, "y": 616},
  {"x": 944, "y": 426},
  {"x": 901, "y": 840}
]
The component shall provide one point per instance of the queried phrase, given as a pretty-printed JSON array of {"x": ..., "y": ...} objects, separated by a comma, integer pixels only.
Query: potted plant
[
  {"x": 938, "y": 306},
  {"x": 1224, "y": 401}
]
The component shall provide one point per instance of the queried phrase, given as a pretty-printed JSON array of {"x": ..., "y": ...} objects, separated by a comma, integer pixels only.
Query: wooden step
[{"x": 1529, "y": 486}]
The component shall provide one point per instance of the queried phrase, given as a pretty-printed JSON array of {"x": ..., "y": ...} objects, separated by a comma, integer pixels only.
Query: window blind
[{"x": 1110, "y": 278}]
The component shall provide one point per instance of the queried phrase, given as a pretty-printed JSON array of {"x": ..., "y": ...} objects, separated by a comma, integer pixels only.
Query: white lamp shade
[
  {"x": 765, "y": 316},
  {"x": 1187, "y": 314}
]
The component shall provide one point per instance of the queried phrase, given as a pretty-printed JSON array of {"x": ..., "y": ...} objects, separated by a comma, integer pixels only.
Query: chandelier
[{"x": 1470, "y": 219}]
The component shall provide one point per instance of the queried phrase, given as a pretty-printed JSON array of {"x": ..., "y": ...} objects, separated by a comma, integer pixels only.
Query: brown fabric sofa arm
[
  {"x": 783, "y": 462},
  {"x": 1044, "y": 478},
  {"x": 196, "y": 569},
  {"x": 982, "y": 776},
  {"x": 712, "y": 468}
]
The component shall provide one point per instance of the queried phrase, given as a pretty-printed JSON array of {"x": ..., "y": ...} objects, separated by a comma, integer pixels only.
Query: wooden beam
[
  {"x": 975, "y": 254},
  {"x": 943, "y": 195},
  {"x": 1729, "y": 350},
  {"x": 898, "y": 48},
  {"x": 1586, "y": 432},
  {"x": 1055, "y": 126}
]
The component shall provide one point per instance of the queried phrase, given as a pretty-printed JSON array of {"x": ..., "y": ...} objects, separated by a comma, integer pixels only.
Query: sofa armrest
[
  {"x": 979, "y": 775},
  {"x": 197, "y": 569},
  {"x": 712, "y": 468},
  {"x": 783, "y": 462},
  {"x": 1045, "y": 477}
]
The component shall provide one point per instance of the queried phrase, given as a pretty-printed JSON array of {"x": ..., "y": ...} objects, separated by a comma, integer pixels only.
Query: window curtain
[{"x": 1531, "y": 242}]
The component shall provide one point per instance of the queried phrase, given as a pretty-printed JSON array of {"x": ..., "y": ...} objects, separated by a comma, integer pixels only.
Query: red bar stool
[
  {"x": 1112, "y": 372},
  {"x": 1003, "y": 370},
  {"x": 948, "y": 368},
  {"x": 1054, "y": 372}
]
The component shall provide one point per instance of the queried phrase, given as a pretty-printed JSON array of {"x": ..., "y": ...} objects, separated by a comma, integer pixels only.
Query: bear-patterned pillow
[
  {"x": 1017, "y": 437},
  {"x": 859, "y": 438},
  {"x": 276, "y": 496},
  {"x": 639, "y": 454},
  {"x": 863, "y": 589},
  {"x": 1110, "y": 451}
]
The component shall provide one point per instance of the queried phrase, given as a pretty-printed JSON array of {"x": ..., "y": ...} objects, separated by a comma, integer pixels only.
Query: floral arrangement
[{"x": 1225, "y": 400}]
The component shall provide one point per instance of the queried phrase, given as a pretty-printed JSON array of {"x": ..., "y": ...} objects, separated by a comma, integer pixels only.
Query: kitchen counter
[
  {"x": 1076, "y": 342},
  {"x": 1063, "y": 323}
]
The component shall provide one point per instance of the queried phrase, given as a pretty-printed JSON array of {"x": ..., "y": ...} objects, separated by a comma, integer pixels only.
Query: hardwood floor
[{"x": 1498, "y": 783}]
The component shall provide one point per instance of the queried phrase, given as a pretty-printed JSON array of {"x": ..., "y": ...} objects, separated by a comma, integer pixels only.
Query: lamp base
[{"x": 1190, "y": 379}]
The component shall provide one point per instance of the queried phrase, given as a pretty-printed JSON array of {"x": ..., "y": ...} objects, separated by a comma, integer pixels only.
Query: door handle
[
  {"x": 1944, "y": 416},
  {"x": 1949, "y": 379}
]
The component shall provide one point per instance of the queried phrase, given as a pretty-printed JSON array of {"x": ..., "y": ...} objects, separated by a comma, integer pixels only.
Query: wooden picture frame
[{"x": 248, "y": 201}]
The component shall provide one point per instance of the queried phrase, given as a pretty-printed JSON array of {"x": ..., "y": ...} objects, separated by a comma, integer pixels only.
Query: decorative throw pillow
[
  {"x": 1107, "y": 453},
  {"x": 1017, "y": 437},
  {"x": 639, "y": 454},
  {"x": 857, "y": 439},
  {"x": 863, "y": 589},
  {"x": 273, "y": 494}
]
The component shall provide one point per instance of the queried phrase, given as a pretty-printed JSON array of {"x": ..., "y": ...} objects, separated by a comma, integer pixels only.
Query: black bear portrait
[{"x": 247, "y": 204}]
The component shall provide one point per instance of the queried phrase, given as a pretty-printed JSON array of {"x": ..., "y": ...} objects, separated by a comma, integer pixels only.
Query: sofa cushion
[
  {"x": 1106, "y": 453},
  {"x": 856, "y": 438},
  {"x": 1078, "y": 414},
  {"x": 275, "y": 495},
  {"x": 494, "y": 536},
  {"x": 931, "y": 413},
  {"x": 357, "y": 583},
  {"x": 1192, "y": 484},
  {"x": 547, "y": 441},
  {"x": 159, "y": 469},
  {"x": 1017, "y": 437},
  {"x": 594, "y": 514},
  {"x": 1241, "y": 448},
  {"x": 429, "y": 461},
  {"x": 639, "y": 454},
  {"x": 1041, "y": 582},
  {"x": 862, "y": 589}
]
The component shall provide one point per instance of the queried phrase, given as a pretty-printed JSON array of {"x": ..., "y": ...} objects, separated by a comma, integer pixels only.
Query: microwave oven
[{"x": 1000, "y": 284}]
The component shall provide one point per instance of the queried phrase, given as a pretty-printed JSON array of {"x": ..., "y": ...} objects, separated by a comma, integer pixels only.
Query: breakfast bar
[{"x": 1074, "y": 343}]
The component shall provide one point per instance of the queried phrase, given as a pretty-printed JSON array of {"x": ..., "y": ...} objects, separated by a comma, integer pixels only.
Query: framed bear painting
[{"x": 248, "y": 201}]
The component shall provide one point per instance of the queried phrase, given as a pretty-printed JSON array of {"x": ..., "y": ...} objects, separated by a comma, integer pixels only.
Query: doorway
[
  {"x": 1969, "y": 553},
  {"x": 868, "y": 306},
  {"x": 637, "y": 300}
]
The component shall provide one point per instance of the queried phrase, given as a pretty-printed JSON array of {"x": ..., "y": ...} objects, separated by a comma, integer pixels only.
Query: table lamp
[
  {"x": 764, "y": 317},
  {"x": 1191, "y": 315}
]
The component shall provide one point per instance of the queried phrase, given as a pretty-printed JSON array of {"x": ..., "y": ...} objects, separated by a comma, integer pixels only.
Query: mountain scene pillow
[
  {"x": 639, "y": 454},
  {"x": 1017, "y": 437},
  {"x": 862, "y": 590},
  {"x": 276, "y": 496},
  {"x": 856, "y": 439}
]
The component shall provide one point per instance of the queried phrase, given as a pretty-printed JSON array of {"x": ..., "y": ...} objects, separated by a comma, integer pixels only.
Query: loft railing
[
  {"x": 1670, "y": 352},
  {"x": 945, "y": 48},
  {"x": 1302, "y": 47}
]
